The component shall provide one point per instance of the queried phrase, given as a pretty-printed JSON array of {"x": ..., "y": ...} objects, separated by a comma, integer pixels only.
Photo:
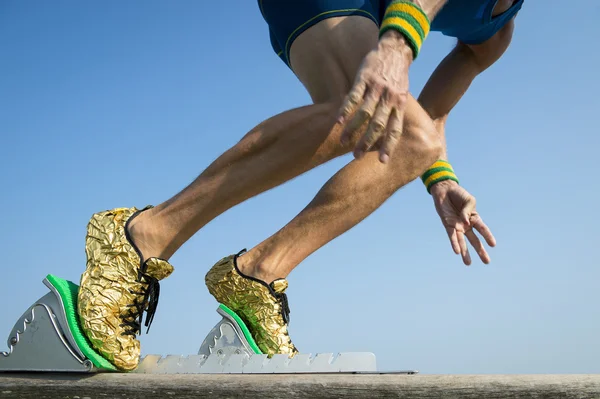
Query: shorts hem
[{"x": 285, "y": 56}]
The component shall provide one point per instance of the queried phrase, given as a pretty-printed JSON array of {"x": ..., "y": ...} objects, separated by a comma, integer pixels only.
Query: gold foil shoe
[
  {"x": 263, "y": 307},
  {"x": 116, "y": 288}
]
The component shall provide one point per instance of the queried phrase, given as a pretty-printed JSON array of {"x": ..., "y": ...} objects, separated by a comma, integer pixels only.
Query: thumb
[{"x": 468, "y": 209}]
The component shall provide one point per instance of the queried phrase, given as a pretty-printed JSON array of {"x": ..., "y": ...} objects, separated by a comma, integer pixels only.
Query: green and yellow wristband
[
  {"x": 408, "y": 19},
  {"x": 439, "y": 171}
]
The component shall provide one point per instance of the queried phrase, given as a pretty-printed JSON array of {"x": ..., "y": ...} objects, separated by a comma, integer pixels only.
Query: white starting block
[{"x": 48, "y": 338}]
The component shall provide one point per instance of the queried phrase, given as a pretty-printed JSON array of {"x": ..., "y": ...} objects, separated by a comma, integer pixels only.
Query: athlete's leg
[
  {"x": 350, "y": 196},
  {"x": 250, "y": 285},
  {"x": 275, "y": 151},
  {"x": 362, "y": 186}
]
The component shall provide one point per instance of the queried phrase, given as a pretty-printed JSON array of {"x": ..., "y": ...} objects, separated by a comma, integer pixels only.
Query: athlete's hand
[
  {"x": 379, "y": 96},
  {"x": 456, "y": 208}
]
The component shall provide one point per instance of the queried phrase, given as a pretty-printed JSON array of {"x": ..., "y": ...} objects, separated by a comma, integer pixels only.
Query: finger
[
  {"x": 478, "y": 246},
  {"x": 392, "y": 137},
  {"x": 376, "y": 129},
  {"x": 352, "y": 101},
  {"x": 364, "y": 113},
  {"x": 485, "y": 232},
  {"x": 359, "y": 119},
  {"x": 452, "y": 235},
  {"x": 379, "y": 142},
  {"x": 350, "y": 105},
  {"x": 468, "y": 210},
  {"x": 464, "y": 250}
]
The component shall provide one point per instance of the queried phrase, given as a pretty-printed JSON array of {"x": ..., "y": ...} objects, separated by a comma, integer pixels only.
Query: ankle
[
  {"x": 258, "y": 268},
  {"x": 146, "y": 236}
]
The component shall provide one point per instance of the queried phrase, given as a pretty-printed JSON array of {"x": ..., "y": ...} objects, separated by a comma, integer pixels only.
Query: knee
[
  {"x": 421, "y": 140},
  {"x": 425, "y": 145},
  {"x": 432, "y": 146}
]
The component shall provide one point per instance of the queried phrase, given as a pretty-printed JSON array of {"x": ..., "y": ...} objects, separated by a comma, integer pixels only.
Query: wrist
[
  {"x": 439, "y": 172},
  {"x": 441, "y": 187},
  {"x": 397, "y": 42},
  {"x": 408, "y": 19}
]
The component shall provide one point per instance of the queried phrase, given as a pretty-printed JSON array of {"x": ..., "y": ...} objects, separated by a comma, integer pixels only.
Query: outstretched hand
[
  {"x": 456, "y": 208},
  {"x": 378, "y": 97}
]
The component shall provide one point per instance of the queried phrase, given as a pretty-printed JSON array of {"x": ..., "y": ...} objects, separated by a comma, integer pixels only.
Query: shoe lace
[
  {"x": 285, "y": 306},
  {"x": 145, "y": 300}
]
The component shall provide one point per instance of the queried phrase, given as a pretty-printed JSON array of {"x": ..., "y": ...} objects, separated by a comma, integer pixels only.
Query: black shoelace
[
  {"x": 149, "y": 303},
  {"x": 285, "y": 307}
]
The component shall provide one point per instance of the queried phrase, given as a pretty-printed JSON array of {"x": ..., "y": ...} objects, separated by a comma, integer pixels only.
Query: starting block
[{"x": 48, "y": 338}]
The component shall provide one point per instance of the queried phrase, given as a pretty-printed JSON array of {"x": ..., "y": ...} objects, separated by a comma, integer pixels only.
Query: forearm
[
  {"x": 456, "y": 72},
  {"x": 447, "y": 85},
  {"x": 449, "y": 82}
]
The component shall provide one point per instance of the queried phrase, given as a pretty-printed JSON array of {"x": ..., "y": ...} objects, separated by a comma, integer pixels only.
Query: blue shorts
[{"x": 470, "y": 21}]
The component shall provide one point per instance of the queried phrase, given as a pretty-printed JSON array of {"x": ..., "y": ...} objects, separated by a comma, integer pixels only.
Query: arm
[
  {"x": 380, "y": 91},
  {"x": 447, "y": 85},
  {"x": 456, "y": 72}
]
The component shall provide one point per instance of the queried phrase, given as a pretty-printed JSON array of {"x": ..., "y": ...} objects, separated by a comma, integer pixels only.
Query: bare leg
[
  {"x": 346, "y": 199},
  {"x": 356, "y": 191},
  {"x": 325, "y": 58}
]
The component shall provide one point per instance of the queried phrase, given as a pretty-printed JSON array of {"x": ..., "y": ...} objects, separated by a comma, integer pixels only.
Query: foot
[
  {"x": 252, "y": 264},
  {"x": 117, "y": 287},
  {"x": 145, "y": 233},
  {"x": 263, "y": 307}
]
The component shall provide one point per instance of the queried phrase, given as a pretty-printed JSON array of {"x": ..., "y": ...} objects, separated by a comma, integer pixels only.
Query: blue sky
[{"x": 110, "y": 104}]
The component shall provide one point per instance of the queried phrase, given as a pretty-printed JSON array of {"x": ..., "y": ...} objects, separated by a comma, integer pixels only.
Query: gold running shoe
[
  {"x": 117, "y": 288},
  {"x": 263, "y": 307}
]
